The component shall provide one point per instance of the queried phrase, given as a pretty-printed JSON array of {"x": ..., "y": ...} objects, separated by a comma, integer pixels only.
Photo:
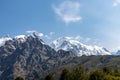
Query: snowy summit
[{"x": 70, "y": 44}]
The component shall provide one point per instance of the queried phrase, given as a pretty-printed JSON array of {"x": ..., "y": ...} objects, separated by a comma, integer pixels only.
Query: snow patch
[
  {"x": 22, "y": 38},
  {"x": 70, "y": 44},
  {"x": 3, "y": 40}
]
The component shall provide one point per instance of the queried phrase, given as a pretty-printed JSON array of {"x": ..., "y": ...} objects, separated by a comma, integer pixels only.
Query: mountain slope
[
  {"x": 70, "y": 44},
  {"x": 29, "y": 57}
]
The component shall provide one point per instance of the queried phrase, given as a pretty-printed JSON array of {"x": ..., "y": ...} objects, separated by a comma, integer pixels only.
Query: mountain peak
[
  {"x": 71, "y": 44},
  {"x": 21, "y": 38}
]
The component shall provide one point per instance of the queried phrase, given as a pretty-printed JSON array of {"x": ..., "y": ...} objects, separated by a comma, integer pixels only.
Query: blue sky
[{"x": 93, "y": 22}]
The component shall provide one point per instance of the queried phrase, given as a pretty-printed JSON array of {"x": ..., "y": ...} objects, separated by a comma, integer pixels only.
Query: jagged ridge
[{"x": 28, "y": 57}]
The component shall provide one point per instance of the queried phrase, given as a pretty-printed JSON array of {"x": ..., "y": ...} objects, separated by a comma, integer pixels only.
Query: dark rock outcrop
[{"x": 28, "y": 59}]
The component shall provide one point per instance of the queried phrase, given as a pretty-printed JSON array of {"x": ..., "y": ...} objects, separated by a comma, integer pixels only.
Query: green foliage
[
  {"x": 19, "y": 78},
  {"x": 79, "y": 74},
  {"x": 116, "y": 73},
  {"x": 97, "y": 75},
  {"x": 107, "y": 70},
  {"x": 65, "y": 75},
  {"x": 110, "y": 77},
  {"x": 49, "y": 77}
]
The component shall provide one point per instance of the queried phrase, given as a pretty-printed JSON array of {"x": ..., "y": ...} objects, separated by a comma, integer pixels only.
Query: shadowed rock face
[{"x": 31, "y": 58}]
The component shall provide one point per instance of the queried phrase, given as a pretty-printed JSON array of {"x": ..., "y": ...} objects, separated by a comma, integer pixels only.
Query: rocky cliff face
[{"x": 29, "y": 58}]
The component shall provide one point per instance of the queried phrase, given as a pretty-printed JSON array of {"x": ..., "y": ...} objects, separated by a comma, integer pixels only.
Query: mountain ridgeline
[
  {"x": 70, "y": 44},
  {"x": 30, "y": 57}
]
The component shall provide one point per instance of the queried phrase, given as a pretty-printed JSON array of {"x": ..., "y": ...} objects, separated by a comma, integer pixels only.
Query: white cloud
[
  {"x": 47, "y": 36},
  {"x": 116, "y": 3},
  {"x": 31, "y": 32},
  {"x": 68, "y": 11},
  {"x": 40, "y": 34}
]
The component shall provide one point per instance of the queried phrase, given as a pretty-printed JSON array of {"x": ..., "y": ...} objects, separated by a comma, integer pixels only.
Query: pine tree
[
  {"x": 49, "y": 77},
  {"x": 65, "y": 75},
  {"x": 79, "y": 74}
]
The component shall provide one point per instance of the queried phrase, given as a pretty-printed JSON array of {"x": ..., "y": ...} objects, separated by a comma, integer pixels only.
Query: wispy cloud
[
  {"x": 87, "y": 40},
  {"x": 33, "y": 31},
  {"x": 68, "y": 11},
  {"x": 116, "y": 3},
  {"x": 48, "y": 36},
  {"x": 51, "y": 33},
  {"x": 78, "y": 37}
]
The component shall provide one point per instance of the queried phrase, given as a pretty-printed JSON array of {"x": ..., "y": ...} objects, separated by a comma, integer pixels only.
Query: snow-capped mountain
[
  {"x": 20, "y": 38},
  {"x": 70, "y": 44},
  {"x": 27, "y": 56},
  {"x": 64, "y": 43}
]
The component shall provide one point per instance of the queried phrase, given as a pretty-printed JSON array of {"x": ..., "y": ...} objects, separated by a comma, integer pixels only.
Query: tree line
[{"x": 78, "y": 73}]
